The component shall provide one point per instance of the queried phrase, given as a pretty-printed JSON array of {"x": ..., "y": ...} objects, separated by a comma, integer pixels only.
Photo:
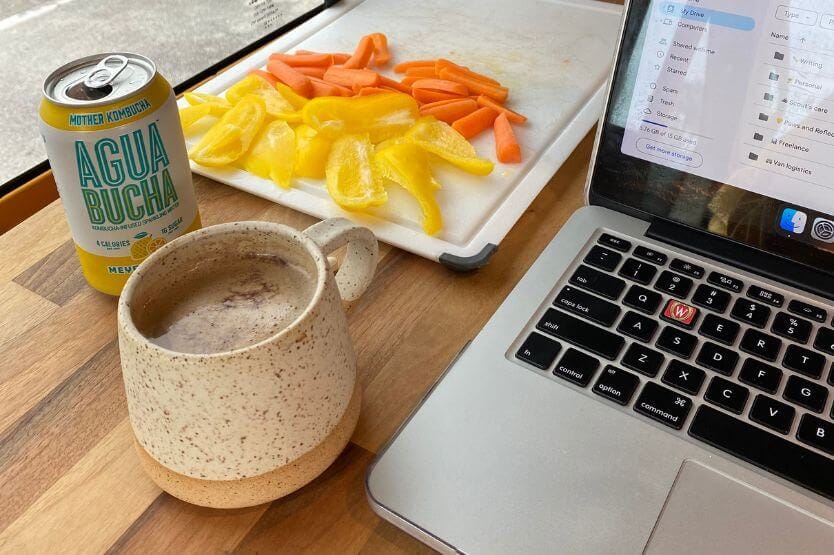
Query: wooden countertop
[{"x": 70, "y": 479}]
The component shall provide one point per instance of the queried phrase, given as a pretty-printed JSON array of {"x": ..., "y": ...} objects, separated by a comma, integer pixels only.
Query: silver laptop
[{"x": 661, "y": 380}]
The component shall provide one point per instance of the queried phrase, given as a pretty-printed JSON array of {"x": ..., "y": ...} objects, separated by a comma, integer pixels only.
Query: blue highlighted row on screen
[{"x": 704, "y": 15}]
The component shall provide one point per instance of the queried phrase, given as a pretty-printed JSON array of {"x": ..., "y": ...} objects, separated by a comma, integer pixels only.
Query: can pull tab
[{"x": 106, "y": 71}]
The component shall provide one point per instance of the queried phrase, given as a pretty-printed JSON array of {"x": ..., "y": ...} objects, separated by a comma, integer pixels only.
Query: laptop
[{"x": 661, "y": 379}]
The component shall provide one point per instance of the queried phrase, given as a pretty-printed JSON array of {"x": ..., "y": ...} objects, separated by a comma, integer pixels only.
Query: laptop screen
[{"x": 721, "y": 117}]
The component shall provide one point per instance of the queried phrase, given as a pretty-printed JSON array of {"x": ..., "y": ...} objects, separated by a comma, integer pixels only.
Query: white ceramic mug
[{"x": 243, "y": 427}]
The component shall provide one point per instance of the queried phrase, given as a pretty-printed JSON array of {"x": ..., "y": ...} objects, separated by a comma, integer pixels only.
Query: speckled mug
[{"x": 243, "y": 427}]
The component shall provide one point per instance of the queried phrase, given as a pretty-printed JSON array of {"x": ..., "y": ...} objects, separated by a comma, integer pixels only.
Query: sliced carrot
[
  {"x": 265, "y": 75},
  {"x": 424, "y": 96},
  {"x": 495, "y": 92},
  {"x": 421, "y": 72},
  {"x": 366, "y": 91},
  {"x": 350, "y": 77},
  {"x": 381, "y": 54},
  {"x": 323, "y": 88},
  {"x": 396, "y": 85},
  {"x": 507, "y": 148},
  {"x": 362, "y": 55},
  {"x": 402, "y": 67},
  {"x": 474, "y": 123},
  {"x": 298, "y": 82},
  {"x": 441, "y": 103},
  {"x": 441, "y": 85},
  {"x": 304, "y": 60},
  {"x": 408, "y": 81},
  {"x": 452, "y": 111},
  {"x": 311, "y": 71},
  {"x": 514, "y": 117},
  {"x": 443, "y": 63},
  {"x": 338, "y": 57}
]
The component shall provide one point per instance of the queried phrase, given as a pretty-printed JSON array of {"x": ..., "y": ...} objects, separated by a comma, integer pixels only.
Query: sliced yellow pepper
[
  {"x": 439, "y": 138},
  {"x": 229, "y": 138},
  {"x": 272, "y": 155},
  {"x": 408, "y": 165},
  {"x": 218, "y": 105},
  {"x": 276, "y": 105},
  {"x": 291, "y": 96},
  {"x": 312, "y": 149},
  {"x": 352, "y": 179},
  {"x": 380, "y": 116},
  {"x": 192, "y": 114}
]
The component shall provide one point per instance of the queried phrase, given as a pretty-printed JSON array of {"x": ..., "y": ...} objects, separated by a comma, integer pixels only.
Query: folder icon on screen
[
  {"x": 778, "y": 56},
  {"x": 753, "y": 156},
  {"x": 768, "y": 96},
  {"x": 764, "y": 117},
  {"x": 773, "y": 76},
  {"x": 758, "y": 136}
]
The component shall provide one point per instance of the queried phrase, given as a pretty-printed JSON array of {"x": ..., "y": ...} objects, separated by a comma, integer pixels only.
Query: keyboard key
[
  {"x": 616, "y": 384},
  {"x": 644, "y": 360},
  {"x": 807, "y": 310},
  {"x": 804, "y": 361},
  {"x": 592, "y": 308},
  {"x": 774, "y": 414},
  {"x": 683, "y": 376},
  {"x": 720, "y": 329},
  {"x": 760, "y": 344},
  {"x": 765, "y": 295},
  {"x": 805, "y": 393},
  {"x": 577, "y": 367},
  {"x": 754, "y": 314},
  {"x": 609, "y": 287},
  {"x": 614, "y": 242},
  {"x": 727, "y": 395},
  {"x": 680, "y": 314},
  {"x": 717, "y": 358},
  {"x": 725, "y": 281},
  {"x": 712, "y": 298},
  {"x": 768, "y": 451},
  {"x": 677, "y": 342},
  {"x": 663, "y": 405},
  {"x": 602, "y": 258},
  {"x": 539, "y": 351},
  {"x": 760, "y": 375},
  {"x": 792, "y": 327},
  {"x": 642, "y": 299},
  {"x": 641, "y": 272},
  {"x": 650, "y": 254},
  {"x": 687, "y": 268},
  {"x": 825, "y": 341},
  {"x": 674, "y": 284},
  {"x": 816, "y": 433},
  {"x": 581, "y": 333},
  {"x": 638, "y": 327}
]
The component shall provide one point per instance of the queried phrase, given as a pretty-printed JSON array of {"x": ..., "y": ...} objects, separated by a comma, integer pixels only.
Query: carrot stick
[
  {"x": 474, "y": 123},
  {"x": 514, "y": 117},
  {"x": 311, "y": 71},
  {"x": 362, "y": 55},
  {"x": 350, "y": 77},
  {"x": 431, "y": 105},
  {"x": 402, "y": 67},
  {"x": 452, "y": 111},
  {"x": 304, "y": 60},
  {"x": 381, "y": 54},
  {"x": 396, "y": 85},
  {"x": 443, "y": 63},
  {"x": 422, "y": 72},
  {"x": 298, "y": 82},
  {"x": 424, "y": 96},
  {"x": 409, "y": 81},
  {"x": 323, "y": 88},
  {"x": 365, "y": 91},
  {"x": 338, "y": 57},
  {"x": 441, "y": 85},
  {"x": 495, "y": 92},
  {"x": 507, "y": 148},
  {"x": 264, "y": 75}
]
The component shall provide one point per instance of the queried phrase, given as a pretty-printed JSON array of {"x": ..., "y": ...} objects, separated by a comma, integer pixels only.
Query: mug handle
[{"x": 359, "y": 265}]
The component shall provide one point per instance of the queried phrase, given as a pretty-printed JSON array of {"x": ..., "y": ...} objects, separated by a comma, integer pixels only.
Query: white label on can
[{"x": 118, "y": 185}]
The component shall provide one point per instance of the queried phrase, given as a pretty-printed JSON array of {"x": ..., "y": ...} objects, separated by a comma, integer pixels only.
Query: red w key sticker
[{"x": 680, "y": 313}]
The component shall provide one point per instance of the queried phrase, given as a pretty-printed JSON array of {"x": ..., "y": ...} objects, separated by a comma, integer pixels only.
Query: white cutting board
[{"x": 553, "y": 55}]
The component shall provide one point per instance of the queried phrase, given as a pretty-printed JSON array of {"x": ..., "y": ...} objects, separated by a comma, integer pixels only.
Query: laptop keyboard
[{"x": 737, "y": 365}]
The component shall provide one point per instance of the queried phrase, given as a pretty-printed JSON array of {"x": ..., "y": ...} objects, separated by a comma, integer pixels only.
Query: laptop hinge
[{"x": 769, "y": 265}]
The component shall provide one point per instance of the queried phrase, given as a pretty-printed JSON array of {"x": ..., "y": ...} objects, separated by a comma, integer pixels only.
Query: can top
[{"x": 99, "y": 79}]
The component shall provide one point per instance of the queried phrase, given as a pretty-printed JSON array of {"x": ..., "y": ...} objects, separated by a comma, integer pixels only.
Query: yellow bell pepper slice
[
  {"x": 229, "y": 138},
  {"x": 192, "y": 114},
  {"x": 272, "y": 155},
  {"x": 380, "y": 116},
  {"x": 312, "y": 150},
  {"x": 217, "y": 105},
  {"x": 439, "y": 138},
  {"x": 352, "y": 179},
  {"x": 276, "y": 105},
  {"x": 291, "y": 96},
  {"x": 408, "y": 165}
]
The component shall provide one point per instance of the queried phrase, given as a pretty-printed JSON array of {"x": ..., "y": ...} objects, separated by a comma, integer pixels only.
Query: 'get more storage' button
[{"x": 673, "y": 154}]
